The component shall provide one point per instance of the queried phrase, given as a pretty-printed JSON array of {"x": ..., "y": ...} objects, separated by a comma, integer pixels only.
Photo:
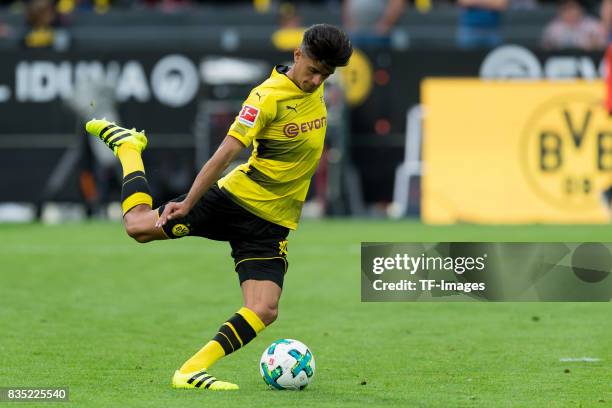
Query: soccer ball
[{"x": 287, "y": 365}]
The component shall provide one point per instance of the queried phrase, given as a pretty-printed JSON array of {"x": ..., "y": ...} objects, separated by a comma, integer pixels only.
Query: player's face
[{"x": 309, "y": 74}]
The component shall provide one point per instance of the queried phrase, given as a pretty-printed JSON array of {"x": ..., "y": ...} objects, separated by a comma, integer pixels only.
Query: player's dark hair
[{"x": 327, "y": 44}]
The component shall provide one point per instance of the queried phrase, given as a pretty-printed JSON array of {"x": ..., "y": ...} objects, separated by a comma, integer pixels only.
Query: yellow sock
[
  {"x": 240, "y": 329},
  {"x": 203, "y": 359},
  {"x": 130, "y": 159},
  {"x": 135, "y": 188}
]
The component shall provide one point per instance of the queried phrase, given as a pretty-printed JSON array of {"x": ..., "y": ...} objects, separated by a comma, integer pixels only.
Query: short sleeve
[{"x": 257, "y": 111}]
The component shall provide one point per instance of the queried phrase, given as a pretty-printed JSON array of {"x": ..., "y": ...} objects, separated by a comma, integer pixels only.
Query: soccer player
[{"x": 256, "y": 204}]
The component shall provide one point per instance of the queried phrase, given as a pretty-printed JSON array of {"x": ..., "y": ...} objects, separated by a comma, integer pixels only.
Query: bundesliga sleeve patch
[{"x": 248, "y": 115}]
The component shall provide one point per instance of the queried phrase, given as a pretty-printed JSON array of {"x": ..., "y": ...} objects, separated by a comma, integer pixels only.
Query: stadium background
[
  {"x": 180, "y": 69},
  {"x": 180, "y": 94}
]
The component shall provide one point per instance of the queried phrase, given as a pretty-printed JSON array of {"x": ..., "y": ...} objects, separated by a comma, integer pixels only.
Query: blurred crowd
[{"x": 578, "y": 24}]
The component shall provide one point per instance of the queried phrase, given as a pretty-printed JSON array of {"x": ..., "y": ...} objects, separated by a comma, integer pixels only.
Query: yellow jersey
[{"x": 287, "y": 128}]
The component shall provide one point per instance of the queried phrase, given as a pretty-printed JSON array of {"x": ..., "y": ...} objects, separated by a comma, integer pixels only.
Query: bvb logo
[
  {"x": 566, "y": 151},
  {"x": 180, "y": 230},
  {"x": 356, "y": 78}
]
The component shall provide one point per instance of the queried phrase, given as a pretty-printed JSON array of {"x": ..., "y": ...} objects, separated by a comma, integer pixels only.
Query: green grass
[{"x": 83, "y": 306}]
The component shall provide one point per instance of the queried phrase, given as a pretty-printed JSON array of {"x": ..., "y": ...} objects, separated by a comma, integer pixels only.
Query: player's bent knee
[
  {"x": 138, "y": 233},
  {"x": 142, "y": 238},
  {"x": 140, "y": 225}
]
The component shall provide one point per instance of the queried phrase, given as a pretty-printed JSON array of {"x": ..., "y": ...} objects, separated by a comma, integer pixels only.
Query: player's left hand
[{"x": 172, "y": 211}]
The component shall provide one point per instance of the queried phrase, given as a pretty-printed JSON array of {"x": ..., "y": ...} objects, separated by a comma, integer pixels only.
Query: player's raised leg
[
  {"x": 136, "y": 200},
  {"x": 259, "y": 311}
]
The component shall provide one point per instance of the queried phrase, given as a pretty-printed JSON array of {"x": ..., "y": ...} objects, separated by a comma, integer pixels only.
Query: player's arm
[{"x": 211, "y": 171}]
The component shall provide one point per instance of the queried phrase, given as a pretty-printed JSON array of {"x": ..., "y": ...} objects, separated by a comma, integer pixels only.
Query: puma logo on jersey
[{"x": 293, "y": 108}]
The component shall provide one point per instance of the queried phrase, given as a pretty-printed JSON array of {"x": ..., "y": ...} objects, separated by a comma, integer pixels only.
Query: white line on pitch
[{"x": 580, "y": 359}]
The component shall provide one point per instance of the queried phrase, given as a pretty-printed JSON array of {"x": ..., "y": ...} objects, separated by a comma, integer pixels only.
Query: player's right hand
[{"x": 172, "y": 210}]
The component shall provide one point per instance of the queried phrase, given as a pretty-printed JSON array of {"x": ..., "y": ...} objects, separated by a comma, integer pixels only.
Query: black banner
[{"x": 160, "y": 91}]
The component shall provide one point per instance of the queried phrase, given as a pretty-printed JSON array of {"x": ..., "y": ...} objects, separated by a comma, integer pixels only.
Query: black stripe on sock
[
  {"x": 243, "y": 328},
  {"x": 229, "y": 333},
  {"x": 135, "y": 182},
  {"x": 224, "y": 342},
  {"x": 206, "y": 377},
  {"x": 133, "y": 175},
  {"x": 114, "y": 132}
]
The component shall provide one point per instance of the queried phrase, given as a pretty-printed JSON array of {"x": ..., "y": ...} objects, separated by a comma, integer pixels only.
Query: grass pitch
[{"x": 84, "y": 306}]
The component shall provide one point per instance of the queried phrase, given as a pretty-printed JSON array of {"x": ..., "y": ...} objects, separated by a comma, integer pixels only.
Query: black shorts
[{"x": 259, "y": 247}]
